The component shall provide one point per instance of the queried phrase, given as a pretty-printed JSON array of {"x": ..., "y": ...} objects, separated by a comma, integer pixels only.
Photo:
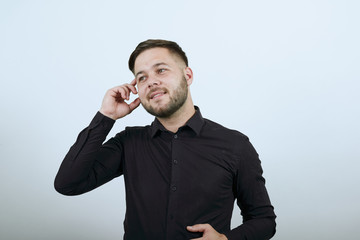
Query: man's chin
[{"x": 159, "y": 111}]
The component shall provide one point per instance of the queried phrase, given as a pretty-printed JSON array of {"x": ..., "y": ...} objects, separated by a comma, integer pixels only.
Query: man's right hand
[{"x": 114, "y": 105}]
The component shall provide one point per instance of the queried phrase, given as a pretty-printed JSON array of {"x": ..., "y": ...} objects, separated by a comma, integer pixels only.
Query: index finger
[{"x": 133, "y": 82}]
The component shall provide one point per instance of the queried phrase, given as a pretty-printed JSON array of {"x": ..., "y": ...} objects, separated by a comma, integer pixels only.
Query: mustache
[{"x": 158, "y": 89}]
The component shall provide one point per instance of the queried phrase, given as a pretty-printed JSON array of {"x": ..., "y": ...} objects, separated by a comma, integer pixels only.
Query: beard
[{"x": 176, "y": 101}]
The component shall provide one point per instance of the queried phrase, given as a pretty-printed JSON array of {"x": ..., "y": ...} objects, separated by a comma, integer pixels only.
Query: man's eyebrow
[
  {"x": 154, "y": 66},
  {"x": 141, "y": 72}
]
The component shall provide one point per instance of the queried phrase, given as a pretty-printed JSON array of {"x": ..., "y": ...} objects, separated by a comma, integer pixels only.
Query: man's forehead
[{"x": 155, "y": 56}]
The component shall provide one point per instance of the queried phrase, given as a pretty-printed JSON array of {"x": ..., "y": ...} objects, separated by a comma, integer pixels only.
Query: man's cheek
[
  {"x": 142, "y": 98},
  {"x": 141, "y": 94}
]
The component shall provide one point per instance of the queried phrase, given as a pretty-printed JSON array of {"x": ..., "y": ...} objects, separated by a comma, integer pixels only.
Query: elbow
[
  {"x": 269, "y": 224},
  {"x": 63, "y": 188},
  {"x": 272, "y": 227},
  {"x": 60, "y": 189}
]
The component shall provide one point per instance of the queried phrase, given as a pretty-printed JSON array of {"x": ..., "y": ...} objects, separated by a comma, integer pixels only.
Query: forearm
[
  {"x": 252, "y": 198},
  {"x": 255, "y": 229},
  {"x": 79, "y": 170}
]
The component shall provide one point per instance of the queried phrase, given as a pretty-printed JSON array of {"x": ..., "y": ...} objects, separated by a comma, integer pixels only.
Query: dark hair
[{"x": 173, "y": 47}]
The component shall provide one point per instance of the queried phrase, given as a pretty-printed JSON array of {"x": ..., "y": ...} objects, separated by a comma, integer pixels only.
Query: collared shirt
[{"x": 173, "y": 180}]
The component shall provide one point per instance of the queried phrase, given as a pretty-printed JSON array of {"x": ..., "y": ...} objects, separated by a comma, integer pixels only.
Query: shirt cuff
[{"x": 101, "y": 120}]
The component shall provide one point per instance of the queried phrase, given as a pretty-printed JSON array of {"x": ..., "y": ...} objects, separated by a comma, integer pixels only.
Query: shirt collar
[{"x": 195, "y": 123}]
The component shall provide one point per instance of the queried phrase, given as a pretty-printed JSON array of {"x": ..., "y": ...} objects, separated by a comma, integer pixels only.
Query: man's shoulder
[
  {"x": 217, "y": 128},
  {"x": 134, "y": 131}
]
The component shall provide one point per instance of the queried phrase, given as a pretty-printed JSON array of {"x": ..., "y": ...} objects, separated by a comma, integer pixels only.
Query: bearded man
[{"x": 183, "y": 172}]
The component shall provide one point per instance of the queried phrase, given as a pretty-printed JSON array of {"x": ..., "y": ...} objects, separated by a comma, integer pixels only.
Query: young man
[{"x": 183, "y": 172}]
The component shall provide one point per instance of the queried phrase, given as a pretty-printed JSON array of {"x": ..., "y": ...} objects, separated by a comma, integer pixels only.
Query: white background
[{"x": 285, "y": 73}]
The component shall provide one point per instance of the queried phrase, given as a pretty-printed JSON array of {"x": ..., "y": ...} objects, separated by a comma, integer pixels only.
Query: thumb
[
  {"x": 196, "y": 228},
  {"x": 134, "y": 104}
]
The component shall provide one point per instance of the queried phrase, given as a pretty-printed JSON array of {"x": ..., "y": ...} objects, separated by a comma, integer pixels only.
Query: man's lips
[{"x": 157, "y": 94}]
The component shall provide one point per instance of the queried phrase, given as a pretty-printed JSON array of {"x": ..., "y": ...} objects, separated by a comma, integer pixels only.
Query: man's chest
[{"x": 182, "y": 166}]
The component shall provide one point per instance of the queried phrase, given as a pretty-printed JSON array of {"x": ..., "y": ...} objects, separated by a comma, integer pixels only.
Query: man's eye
[
  {"x": 142, "y": 78},
  {"x": 161, "y": 70}
]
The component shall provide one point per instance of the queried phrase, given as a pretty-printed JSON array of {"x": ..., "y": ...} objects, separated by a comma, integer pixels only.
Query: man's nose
[{"x": 153, "y": 81}]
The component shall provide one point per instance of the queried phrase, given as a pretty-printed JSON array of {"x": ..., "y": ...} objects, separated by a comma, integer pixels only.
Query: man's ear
[{"x": 188, "y": 75}]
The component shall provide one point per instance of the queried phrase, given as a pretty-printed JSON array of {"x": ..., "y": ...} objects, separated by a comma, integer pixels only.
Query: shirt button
[
  {"x": 175, "y": 161},
  {"x": 175, "y": 136},
  {"x": 173, "y": 188}
]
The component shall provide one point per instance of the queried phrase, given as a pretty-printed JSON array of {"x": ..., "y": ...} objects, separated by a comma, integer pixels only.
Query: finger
[
  {"x": 115, "y": 91},
  {"x": 134, "y": 104},
  {"x": 133, "y": 82},
  {"x": 197, "y": 228},
  {"x": 126, "y": 90},
  {"x": 120, "y": 92},
  {"x": 132, "y": 88}
]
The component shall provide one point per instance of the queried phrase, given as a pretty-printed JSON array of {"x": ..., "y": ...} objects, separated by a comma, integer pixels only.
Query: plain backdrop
[{"x": 285, "y": 73}]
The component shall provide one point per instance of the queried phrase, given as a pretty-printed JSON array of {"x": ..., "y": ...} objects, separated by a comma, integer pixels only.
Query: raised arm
[{"x": 90, "y": 163}]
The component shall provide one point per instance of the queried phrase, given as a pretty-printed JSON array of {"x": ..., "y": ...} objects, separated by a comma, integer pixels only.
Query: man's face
[{"x": 160, "y": 77}]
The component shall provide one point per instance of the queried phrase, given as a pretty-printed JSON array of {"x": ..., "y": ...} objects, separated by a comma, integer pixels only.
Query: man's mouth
[{"x": 157, "y": 94}]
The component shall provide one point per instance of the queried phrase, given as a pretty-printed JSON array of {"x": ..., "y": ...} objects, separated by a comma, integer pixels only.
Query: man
[{"x": 183, "y": 172}]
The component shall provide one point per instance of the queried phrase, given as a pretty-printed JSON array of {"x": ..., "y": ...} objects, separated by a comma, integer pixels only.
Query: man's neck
[{"x": 179, "y": 118}]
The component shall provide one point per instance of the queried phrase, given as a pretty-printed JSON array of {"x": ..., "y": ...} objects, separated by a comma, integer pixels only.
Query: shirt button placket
[{"x": 172, "y": 207}]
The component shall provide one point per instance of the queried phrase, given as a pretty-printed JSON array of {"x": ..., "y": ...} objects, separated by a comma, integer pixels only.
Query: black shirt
[{"x": 173, "y": 180}]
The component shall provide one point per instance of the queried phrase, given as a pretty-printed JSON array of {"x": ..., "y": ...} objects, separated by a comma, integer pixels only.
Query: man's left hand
[{"x": 209, "y": 233}]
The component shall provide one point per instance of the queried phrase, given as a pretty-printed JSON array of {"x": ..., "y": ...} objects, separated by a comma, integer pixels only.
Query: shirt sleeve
[
  {"x": 252, "y": 198},
  {"x": 90, "y": 163}
]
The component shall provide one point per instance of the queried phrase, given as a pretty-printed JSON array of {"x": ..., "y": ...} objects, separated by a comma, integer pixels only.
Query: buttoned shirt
[{"x": 173, "y": 180}]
